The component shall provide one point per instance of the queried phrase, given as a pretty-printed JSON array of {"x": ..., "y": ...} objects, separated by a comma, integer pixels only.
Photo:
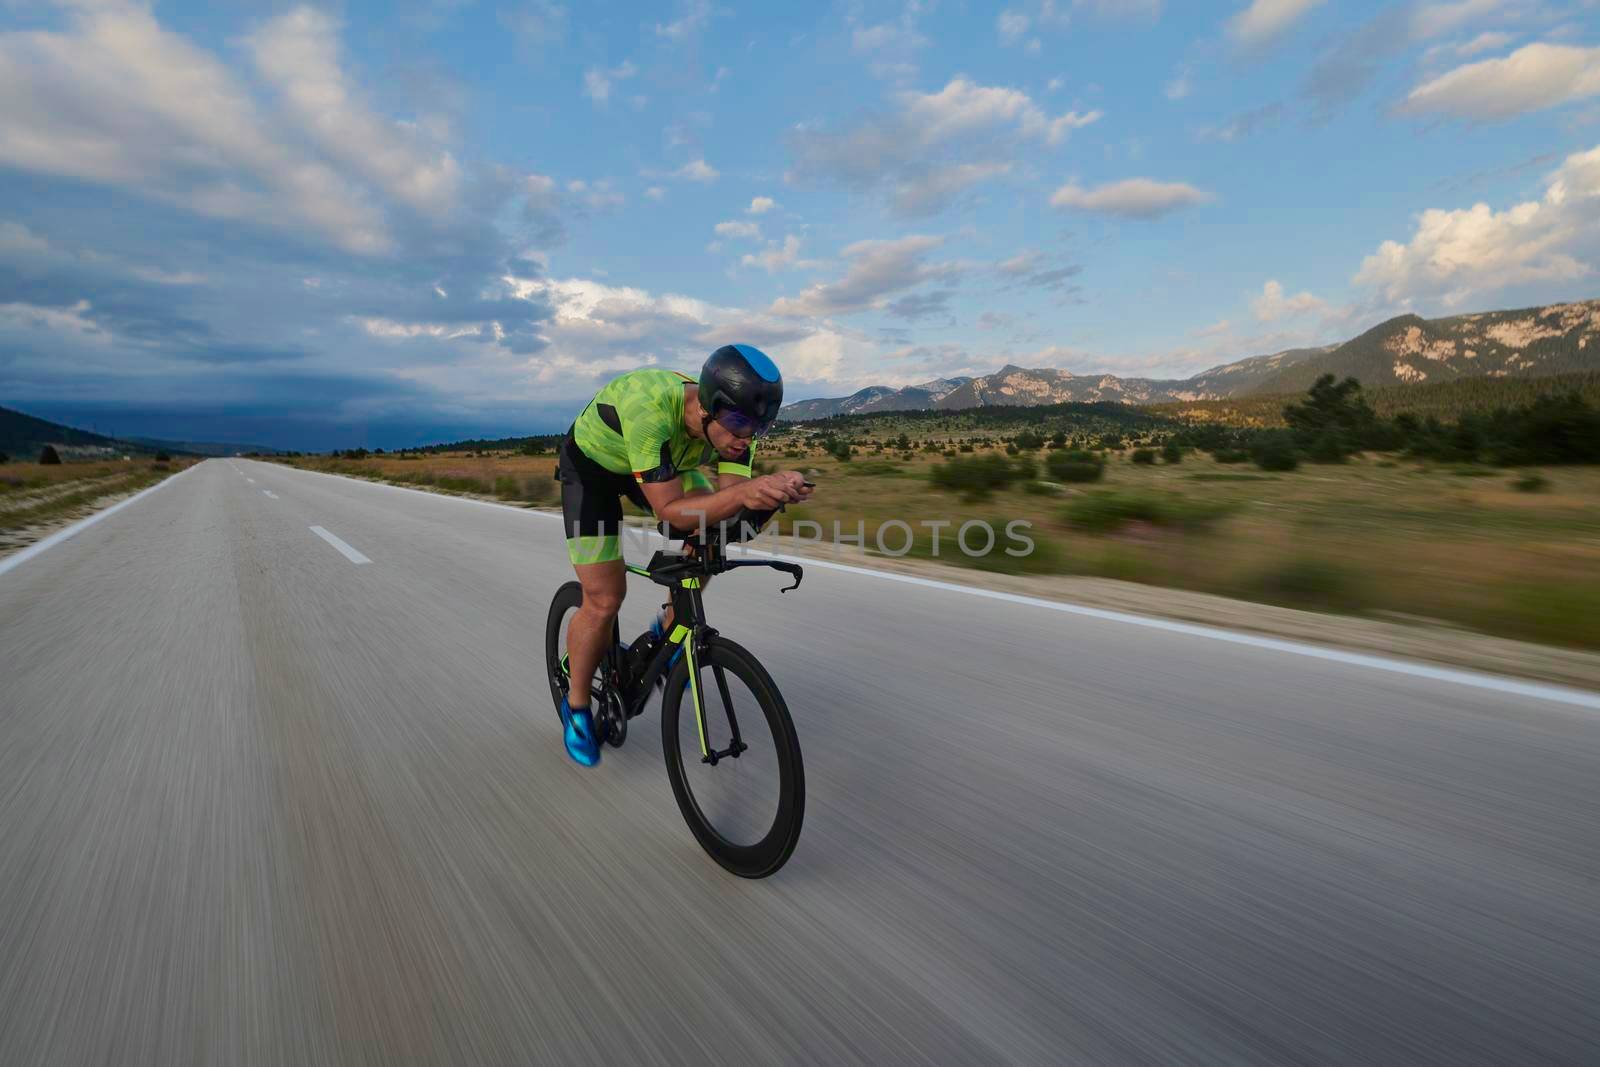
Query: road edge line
[{"x": 20, "y": 557}]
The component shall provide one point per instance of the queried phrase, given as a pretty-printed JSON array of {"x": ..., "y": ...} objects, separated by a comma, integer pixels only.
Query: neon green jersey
[{"x": 635, "y": 425}]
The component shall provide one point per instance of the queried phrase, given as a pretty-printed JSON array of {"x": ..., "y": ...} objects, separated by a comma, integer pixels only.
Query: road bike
[{"x": 737, "y": 777}]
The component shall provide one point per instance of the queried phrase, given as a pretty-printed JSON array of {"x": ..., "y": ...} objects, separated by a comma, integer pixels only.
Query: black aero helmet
[{"x": 742, "y": 389}]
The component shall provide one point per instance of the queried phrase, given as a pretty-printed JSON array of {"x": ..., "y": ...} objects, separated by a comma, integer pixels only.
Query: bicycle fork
[{"x": 695, "y": 641}]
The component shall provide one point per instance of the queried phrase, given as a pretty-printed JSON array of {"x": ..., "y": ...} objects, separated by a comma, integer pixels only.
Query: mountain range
[
  {"x": 1524, "y": 343},
  {"x": 23, "y": 436}
]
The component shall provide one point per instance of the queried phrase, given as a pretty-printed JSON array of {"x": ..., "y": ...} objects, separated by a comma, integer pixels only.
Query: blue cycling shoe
[{"x": 580, "y": 734}]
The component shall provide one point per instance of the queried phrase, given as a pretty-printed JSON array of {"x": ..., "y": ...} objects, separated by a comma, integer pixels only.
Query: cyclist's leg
[
  {"x": 591, "y": 510},
  {"x": 589, "y": 634}
]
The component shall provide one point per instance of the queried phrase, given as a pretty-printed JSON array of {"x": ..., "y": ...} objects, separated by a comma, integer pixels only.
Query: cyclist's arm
[{"x": 685, "y": 512}]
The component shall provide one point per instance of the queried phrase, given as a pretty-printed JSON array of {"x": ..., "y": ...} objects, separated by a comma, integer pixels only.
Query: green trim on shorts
[{"x": 600, "y": 549}]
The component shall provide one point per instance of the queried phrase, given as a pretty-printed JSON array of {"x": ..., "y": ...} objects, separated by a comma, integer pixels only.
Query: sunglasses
[{"x": 741, "y": 425}]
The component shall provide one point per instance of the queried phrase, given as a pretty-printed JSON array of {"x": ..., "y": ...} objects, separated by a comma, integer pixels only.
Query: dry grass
[
  {"x": 1407, "y": 539},
  {"x": 1372, "y": 537},
  {"x": 35, "y": 497},
  {"x": 505, "y": 476}
]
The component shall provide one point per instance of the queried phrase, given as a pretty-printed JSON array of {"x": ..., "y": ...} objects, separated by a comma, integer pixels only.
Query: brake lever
[{"x": 795, "y": 571}]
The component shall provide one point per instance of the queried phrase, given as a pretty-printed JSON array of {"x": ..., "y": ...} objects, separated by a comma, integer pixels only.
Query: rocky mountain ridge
[{"x": 1408, "y": 349}]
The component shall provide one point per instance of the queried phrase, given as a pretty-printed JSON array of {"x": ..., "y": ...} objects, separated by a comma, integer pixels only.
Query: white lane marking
[
  {"x": 16, "y": 560},
  {"x": 270, "y": 493},
  {"x": 349, "y": 553},
  {"x": 1492, "y": 682}
]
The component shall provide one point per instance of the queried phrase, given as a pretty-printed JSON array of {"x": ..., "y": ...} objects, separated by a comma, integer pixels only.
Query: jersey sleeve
[
  {"x": 648, "y": 437},
  {"x": 740, "y": 466}
]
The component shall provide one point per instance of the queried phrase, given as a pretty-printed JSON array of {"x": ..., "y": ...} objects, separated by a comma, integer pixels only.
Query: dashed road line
[{"x": 345, "y": 550}]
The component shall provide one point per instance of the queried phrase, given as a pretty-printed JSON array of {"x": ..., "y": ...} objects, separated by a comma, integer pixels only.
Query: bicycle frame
[{"x": 685, "y": 576}]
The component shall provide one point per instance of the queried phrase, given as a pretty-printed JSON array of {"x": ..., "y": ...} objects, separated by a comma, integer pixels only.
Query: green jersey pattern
[{"x": 635, "y": 426}]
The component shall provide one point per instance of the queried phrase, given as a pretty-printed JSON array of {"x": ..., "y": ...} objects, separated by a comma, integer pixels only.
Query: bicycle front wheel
[{"x": 745, "y": 810}]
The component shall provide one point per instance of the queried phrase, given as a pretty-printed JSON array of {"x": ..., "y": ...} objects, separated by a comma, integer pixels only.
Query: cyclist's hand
[
  {"x": 766, "y": 493},
  {"x": 795, "y": 482}
]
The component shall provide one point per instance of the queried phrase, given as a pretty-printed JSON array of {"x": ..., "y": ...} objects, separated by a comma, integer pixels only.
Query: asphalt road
[{"x": 260, "y": 803}]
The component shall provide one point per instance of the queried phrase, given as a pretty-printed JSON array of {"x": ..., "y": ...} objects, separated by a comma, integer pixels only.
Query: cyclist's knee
[
  {"x": 603, "y": 593},
  {"x": 606, "y": 602}
]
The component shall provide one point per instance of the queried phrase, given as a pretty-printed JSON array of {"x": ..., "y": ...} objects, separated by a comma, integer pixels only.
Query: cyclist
[{"x": 645, "y": 436}]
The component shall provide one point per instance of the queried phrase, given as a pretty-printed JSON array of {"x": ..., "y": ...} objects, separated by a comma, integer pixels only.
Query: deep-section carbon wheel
[
  {"x": 603, "y": 702},
  {"x": 745, "y": 811},
  {"x": 566, "y": 601}
]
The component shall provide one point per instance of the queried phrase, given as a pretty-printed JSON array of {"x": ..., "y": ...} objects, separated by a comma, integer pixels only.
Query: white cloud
[
  {"x": 1272, "y": 305},
  {"x": 596, "y": 196},
  {"x": 697, "y": 171},
  {"x": 963, "y": 107},
  {"x": 695, "y": 15},
  {"x": 934, "y": 145},
  {"x": 1435, "y": 20},
  {"x": 760, "y": 205},
  {"x": 1455, "y": 254},
  {"x": 1484, "y": 42},
  {"x": 776, "y": 257},
  {"x": 1180, "y": 86},
  {"x": 655, "y": 192},
  {"x": 739, "y": 230},
  {"x": 599, "y": 329},
  {"x": 298, "y": 54},
  {"x": 891, "y": 46},
  {"x": 1534, "y": 77},
  {"x": 1138, "y": 198},
  {"x": 1266, "y": 20},
  {"x": 117, "y": 100},
  {"x": 877, "y": 269},
  {"x": 928, "y": 192},
  {"x": 597, "y": 82},
  {"x": 17, "y": 239},
  {"x": 1012, "y": 26}
]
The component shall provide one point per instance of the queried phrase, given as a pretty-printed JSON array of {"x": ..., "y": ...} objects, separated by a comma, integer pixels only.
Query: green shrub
[
  {"x": 1328, "y": 447},
  {"x": 1275, "y": 454},
  {"x": 1531, "y": 483},
  {"x": 162, "y": 457},
  {"x": 1028, "y": 441},
  {"x": 1143, "y": 456},
  {"x": 979, "y": 476},
  {"x": 4, "y": 458},
  {"x": 1231, "y": 455},
  {"x": 873, "y": 466},
  {"x": 49, "y": 456},
  {"x": 1306, "y": 582},
  {"x": 1102, "y": 512},
  {"x": 1172, "y": 453},
  {"x": 965, "y": 448},
  {"x": 1013, "y": 450},
  {"x": 1075, "y": 466},
  {"x": 506, "y": 488},
  {"x": 1041, "y": 488}
]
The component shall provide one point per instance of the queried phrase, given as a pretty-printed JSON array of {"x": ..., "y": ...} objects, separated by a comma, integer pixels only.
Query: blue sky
[{"x": 385, "y": 224}]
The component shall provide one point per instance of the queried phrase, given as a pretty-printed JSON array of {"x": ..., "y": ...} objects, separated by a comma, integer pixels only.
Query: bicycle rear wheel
[
  {"x": 745, "y": 811},
  {"x": 606, "y": 703}
]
